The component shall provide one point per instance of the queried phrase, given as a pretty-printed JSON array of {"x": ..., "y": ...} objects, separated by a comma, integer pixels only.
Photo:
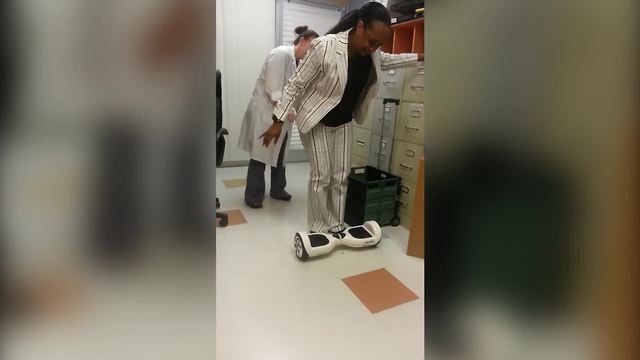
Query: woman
[
  {"x": 279, "y": 66},
  {"x": 334, "y": 85}
]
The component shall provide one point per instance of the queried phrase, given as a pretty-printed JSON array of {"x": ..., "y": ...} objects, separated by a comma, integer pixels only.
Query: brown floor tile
[
  {"x": 235, "y": 217},
  {"x": 235, "y": 183},
  {"x": 379, "y": 290}
]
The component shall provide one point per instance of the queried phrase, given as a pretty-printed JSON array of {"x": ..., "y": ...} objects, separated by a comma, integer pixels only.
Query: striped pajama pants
[{"x": 329, "y": 153}]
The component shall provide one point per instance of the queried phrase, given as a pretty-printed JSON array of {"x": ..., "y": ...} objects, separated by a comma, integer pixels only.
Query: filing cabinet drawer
[
  {"x": 391, "y": 84},
  {"x": 411, "y": 123},
  {"x": 384, "y": 120},
  {"x": 414, "y": 84},
  {"x": 405, "y": 220},
  {"x": 406, "y": 158},
  {"x": 368, "y": 119},
  {"x": 361, "y": 142},
  {"x": 380, "y": 152},
  {"x": 407, "y": 195},
  {"x": 358, "y": 161}
]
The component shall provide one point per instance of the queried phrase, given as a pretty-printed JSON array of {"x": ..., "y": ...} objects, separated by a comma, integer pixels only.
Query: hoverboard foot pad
[
  {"x": 359, "y": 232},
  {"x": 318, "y": 240}
]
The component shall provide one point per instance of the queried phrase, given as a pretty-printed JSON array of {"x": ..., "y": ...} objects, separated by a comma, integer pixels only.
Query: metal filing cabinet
[
  {"x": 392, "y": 136},
  {"x": 405, "y": 220},
  {"x": 414, "y": 84},
  {"x": 406, "y": 158},
  {"x": 411, "y": 123},
  {"x": 384, "y": 119},
  {"x": 368, "y": 119},
  {"x": 407, "y": 194},
  {"x": 380, "y": 152},
  {"x": 391, "y": 84},
  {"x": 358, "y": 161},
  {"x": 361, "y": 142},
  {"x": 361, "y": 139}
]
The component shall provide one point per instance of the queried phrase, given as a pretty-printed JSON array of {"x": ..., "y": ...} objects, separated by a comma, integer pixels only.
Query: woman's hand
[{"x": 273, "y": 132}]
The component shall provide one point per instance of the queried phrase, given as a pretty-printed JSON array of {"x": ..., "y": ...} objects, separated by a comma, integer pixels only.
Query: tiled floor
[
  {"x": 234, "y": 217},
  {"x": 272, "y": 306}
]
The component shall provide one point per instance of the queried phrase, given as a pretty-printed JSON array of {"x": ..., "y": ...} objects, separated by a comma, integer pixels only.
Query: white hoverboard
[{"x": 316, "y": 244}]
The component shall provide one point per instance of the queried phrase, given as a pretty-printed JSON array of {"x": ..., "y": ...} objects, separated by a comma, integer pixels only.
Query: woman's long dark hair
[
  {"x": 303, "y": 32},
  {"x": 368, "y": 13}
]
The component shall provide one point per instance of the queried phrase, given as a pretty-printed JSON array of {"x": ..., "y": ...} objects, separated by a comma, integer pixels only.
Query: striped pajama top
[{"x": 320, "y": 80}]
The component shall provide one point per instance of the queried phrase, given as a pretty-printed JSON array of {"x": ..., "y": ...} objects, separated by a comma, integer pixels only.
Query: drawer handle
[
  {"x": 417, "y": 86},
  {"x": 421, "y": 71},
  {"x": 404, "y": 189},
  {"x": 410, "y": 153},
  {"x": 402, "y": 204},
  {"x": 361, "y": 143},
  {"x": 406, "y": 167},
  {"x": 416, "y": 113},
  {"x": 411, "y": 128}
]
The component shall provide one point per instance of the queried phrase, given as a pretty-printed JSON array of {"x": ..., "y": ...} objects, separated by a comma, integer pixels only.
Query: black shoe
[
  {"x": 338, "y": 233},
  {"x": 285, "y": 196},
  {"x": 254, "y": 205},
  {"x": 338, "y": 229}
]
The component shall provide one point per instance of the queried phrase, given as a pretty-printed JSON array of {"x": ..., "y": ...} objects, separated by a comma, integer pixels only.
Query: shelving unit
[{"x": 408, "y": 37}]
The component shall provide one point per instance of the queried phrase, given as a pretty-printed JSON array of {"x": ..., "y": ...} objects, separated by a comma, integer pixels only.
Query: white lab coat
[{"x": 279, "y": 66}]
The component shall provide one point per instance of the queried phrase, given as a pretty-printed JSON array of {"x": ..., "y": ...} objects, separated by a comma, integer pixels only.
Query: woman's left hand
[{"x": 273, "y": 132}]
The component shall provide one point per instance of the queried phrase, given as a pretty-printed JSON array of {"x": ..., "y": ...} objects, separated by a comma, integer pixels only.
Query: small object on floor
[
  {"x": 234, "y": 217},
  {"x": 284, "y": 197},
  {"x": 223, "y": 220},
  {"x": 316, "y": 244}
]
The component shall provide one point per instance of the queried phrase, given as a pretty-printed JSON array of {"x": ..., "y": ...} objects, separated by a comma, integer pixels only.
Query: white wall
[{"x": 245, "y": 33}]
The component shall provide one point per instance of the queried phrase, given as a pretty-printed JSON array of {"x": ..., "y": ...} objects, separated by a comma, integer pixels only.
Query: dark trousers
[{"x": 254, "y": 192}]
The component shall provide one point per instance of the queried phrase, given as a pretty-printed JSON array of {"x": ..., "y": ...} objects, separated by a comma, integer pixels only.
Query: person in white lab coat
[{"x": 279, "y": 66}]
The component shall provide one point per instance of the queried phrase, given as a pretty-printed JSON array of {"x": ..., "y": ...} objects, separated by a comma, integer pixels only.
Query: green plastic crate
[{"x": 372, "y": 194}]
